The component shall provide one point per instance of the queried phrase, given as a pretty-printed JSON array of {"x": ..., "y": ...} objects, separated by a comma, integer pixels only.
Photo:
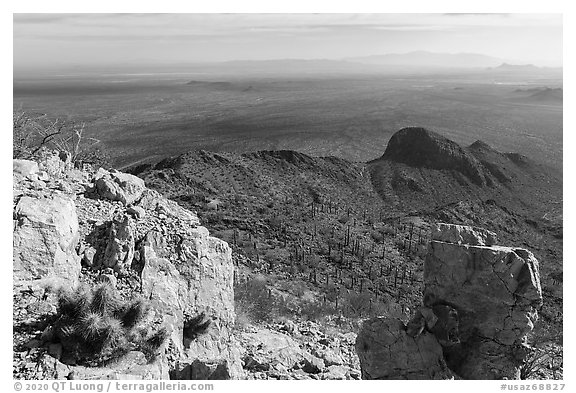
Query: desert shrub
[
  {"x": 95, "y": 325},
  {"x": 377, "y": 236},
  {"x": 400, "y": 243},
  {"x": 387, "y": 229},
  {"x": 196, "y": 325},
  {"x": 541, "y": 362},
  {"x": 252, "y": 299},
  {"x": 255, "y": 302},
  {"x": 343, "y": 219},
  {"x": 316, "y": 310},
  {"x": 421, "y": 250},
  {"x": 530, "y": 367},
  {"x": 33, "y": 133},
  {"x": 357, "y": 304},
  {"x": 276, "y": 222}
]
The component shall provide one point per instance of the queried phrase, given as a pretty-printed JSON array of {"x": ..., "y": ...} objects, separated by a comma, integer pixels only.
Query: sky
[{"x": 77, "y": 40}]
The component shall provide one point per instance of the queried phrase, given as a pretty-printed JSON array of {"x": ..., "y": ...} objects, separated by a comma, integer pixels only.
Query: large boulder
[
  {"x": 329, "y": 357},
  {"x": 386, "y": 351},
  {"x": 265, "y": 348},
  {"x": 152, "y": 201},
  {"x": 196, "y": 299},
  {"x": 24, "y": 168},
  {"x": 45, "y": 237},
  {"x": 480, "y": 302},
  {"x": 118, "y": 186},
  {"x": 496, "y": 291},
  {"x": 166, "y": 289}
]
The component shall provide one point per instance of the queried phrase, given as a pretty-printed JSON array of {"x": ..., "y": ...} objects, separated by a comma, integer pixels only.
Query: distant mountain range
[
  {"x": 418, "y": 61},
  {"x": 542, "y": 94},
  {"x": 394, "y": 63},
  {"x": 420, "y": 170},
  {"x": 430, "y": 59},
  {"x": 424, "y": 59},
  {"x": 516, "y": 67},
  {"x": 523, "y": 68}
]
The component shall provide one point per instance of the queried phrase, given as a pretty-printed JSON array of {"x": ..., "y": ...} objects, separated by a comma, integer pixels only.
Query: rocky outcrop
[
  {"x": 152, "y": 201},
  {"x": 267, "y": 349},
  {"x": 419, "y": 147},
  {"x": 386, "y": 351},
  {"x": 24, "y": 168},
  {"x": 118, "y": 186},
  {"x": 290, "y": 351},
  {"x": 132, "y": 366},
  {"x": 199, "y": 284},
  {"x": 44, "y": 239},
  {"x": 138, "y": 242},
  {"x": 497, "y": 293},
  {"x": 54, "y": 163},
  {"x": 480, "y": 302},
  {"x": 461, "y": 234}
]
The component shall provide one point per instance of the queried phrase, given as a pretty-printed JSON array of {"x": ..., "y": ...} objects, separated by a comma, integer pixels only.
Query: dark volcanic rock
[{"x": 419, "y": 147}]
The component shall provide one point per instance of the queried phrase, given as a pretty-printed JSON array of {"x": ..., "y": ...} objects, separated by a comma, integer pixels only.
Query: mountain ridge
[{"x": 431, "y": 59}]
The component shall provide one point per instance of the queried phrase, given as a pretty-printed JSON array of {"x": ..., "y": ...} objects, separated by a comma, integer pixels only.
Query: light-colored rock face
[
  {"x": 461, "y": 234},
  {"x": 201, "y": 282},
  {"x": 24, "y": 168},
  {"x": 292, "y": 350},
  {"x": 136, "y": 211},
  {"x": 480, "y": 302},
  {"x": 266, "y": 347},
  {"x": 488, "y": 284},
  {"x": 166, "y": 289},
  {"x": 118, "y": 186},
  {"x": 329, "y": 357},
  {"x": 182, "y": 270},
  {"x": 44, "y": 238},
  {"x": 55, "y": 163},
  {"x": 152, "y": 201},
  {"x": 497, "y": 293},
  {"x": 133, "y": 366},
  {"x": 387, "y": 352}
]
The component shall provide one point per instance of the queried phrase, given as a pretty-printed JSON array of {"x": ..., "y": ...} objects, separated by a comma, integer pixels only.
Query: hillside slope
[
  {"x": 343, "y": 229},
  {"x": 422, "y": 169}
]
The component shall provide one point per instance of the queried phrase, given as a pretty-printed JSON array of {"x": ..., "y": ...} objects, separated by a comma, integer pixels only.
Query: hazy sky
[{"x": 49, "y": 40}]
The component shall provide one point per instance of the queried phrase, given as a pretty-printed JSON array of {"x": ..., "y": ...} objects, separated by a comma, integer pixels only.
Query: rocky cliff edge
[{"x": 74, "y": 228}]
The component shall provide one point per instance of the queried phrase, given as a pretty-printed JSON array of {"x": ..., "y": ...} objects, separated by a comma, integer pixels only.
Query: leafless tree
[{"x": 32, "y": 134}]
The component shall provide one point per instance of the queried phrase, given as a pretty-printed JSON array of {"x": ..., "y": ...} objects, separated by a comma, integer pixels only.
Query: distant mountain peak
[
  {"x": 481, "y": 145},
  {"x": 420, "y": 147},
  {"x": 507, "y": 66}
]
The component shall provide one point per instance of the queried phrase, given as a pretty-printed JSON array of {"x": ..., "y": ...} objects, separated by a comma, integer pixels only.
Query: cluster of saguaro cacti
[{"x": 363, "y": 261}]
